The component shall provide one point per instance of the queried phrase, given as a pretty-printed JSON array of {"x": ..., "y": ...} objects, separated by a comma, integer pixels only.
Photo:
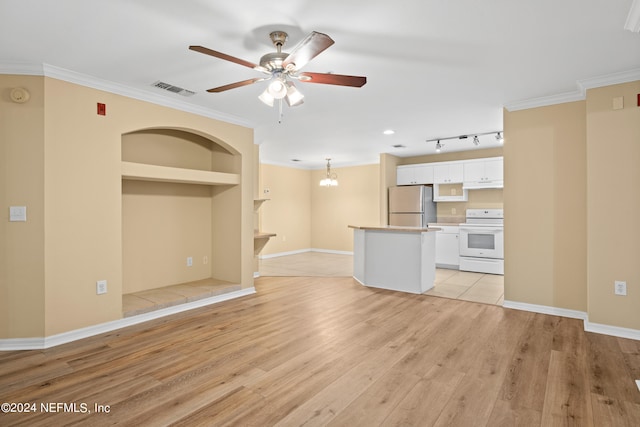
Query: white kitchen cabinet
[
  {"x": 414, "y": 174},
  {"x": 484, "y": 173},
  {"x": 447, "y": 246},
  {"x": 448, "y": 173}
]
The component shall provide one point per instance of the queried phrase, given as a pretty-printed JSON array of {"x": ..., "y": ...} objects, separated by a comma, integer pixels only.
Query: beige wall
[
  {"x": 82, "y": 209},
  {"x": 305, "y": 215},
  {"x": 455, "y": 212},
  {"x": 288, "y": 210},
  {"x": 22, "y": 184},
  {"x": 354, "y": 201},
  {"x": 613, "y": 189},
  {"x": 545, "y": 206},
  {"x": 162, "y": 225}
]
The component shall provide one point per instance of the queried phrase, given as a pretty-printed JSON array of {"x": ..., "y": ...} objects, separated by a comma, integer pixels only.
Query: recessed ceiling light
[{"x": 389, "y": 132}]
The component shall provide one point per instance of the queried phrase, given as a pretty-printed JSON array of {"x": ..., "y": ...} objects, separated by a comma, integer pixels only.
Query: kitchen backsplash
[{"x": 454, "y": 212}]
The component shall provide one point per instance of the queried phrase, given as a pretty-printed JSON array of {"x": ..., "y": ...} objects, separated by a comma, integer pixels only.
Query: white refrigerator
[{"x": 411, "y": 205}]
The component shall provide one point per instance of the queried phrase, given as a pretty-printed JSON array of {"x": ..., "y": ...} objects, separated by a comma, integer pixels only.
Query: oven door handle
[{"x": 481, "y": 230}]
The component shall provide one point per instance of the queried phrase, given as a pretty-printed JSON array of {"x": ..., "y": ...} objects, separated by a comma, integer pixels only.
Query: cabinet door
[
  {"x": 456, "y": 172},
  {"x": 473, "y": 171},
  {"x": 405, "y": 175},
  {"x": 416, "y": 174},
  {"x": 423, "y": 174},
  {"x": 441, "y": 174},
  {"x": 447, "y": 249},
  {"x": 493, "y": 170}
]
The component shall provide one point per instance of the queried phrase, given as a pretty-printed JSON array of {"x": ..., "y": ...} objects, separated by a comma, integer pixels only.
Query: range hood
[{"x": 480, "y": 185}]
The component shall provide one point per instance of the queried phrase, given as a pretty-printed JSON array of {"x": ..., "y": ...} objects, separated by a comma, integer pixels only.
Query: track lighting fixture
[{"x": 476, "y": 141}]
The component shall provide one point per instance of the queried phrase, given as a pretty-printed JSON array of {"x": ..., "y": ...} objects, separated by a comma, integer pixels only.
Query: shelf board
[
  {"x": 263, "y": 235},
  {"x": 258, "y": 202},
  {"x": 145, "y": 172}
]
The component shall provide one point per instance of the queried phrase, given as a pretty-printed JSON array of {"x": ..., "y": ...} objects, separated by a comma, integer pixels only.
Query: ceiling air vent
[{"x": 174, "y": 89}]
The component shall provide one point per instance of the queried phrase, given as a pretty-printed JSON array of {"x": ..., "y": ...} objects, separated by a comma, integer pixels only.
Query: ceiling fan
[{"x": 281, "y": 67}]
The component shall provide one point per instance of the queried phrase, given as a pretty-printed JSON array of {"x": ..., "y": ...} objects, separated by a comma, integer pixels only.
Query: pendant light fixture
[{"x": 331, "y": 179}]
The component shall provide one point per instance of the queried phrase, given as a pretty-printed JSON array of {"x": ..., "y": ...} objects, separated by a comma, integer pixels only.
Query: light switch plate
[
  {"x": 620, "y": 287},
  {"x": 17, "y": 213},
  {"x": 101, "y": 287}
]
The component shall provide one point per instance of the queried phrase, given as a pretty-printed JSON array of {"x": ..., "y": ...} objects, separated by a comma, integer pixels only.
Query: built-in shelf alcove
[{"x": 181, "y": 210}]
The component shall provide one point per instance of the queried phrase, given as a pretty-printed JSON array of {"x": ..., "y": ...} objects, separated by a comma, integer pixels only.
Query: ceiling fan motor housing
[{"x": 273, "y": 61}]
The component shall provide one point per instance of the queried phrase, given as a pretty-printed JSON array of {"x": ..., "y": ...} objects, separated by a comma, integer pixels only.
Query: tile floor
[
  {"x": 463, "y": 285},
  {"x": 156, "y": 299}
]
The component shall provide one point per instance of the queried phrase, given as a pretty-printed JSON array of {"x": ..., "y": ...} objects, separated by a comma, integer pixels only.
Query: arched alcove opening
[{"x": 181, "y": 210}]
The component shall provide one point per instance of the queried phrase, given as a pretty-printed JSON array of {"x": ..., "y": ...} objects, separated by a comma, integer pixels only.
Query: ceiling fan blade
[
  {"x": 333, "y": 79},
  {"x": 314, "y": 44},
  {"x": 224, "y": 56},
  {"x": 235, "y": 85}
]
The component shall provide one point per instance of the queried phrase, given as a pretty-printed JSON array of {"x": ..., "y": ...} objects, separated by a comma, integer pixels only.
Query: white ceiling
[{"x": 435, "y": 68}]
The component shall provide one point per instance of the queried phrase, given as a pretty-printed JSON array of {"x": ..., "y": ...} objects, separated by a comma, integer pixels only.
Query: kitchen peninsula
[{"x": 395, "y": 257}]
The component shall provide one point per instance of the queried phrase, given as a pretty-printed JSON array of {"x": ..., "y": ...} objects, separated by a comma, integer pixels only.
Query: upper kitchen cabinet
[
  {"x": 448, "y": 173},
  {"x": 414, "y": 174},
  {"x": 483, "y": 173}
]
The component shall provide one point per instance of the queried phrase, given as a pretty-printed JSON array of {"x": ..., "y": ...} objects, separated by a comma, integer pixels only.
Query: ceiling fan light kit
[{"x": 280, "y": 67}]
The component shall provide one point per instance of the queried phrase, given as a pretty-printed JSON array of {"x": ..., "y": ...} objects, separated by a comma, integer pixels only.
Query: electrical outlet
[
  {"x": 620, "y": 287},
  {"x": 101, "y": 287},
  {"x": 266, "y": 191},
  {"x": 189, "y": 261},
  {"x": 453, "y": 211},
  {"x": 205, "y": 260}
]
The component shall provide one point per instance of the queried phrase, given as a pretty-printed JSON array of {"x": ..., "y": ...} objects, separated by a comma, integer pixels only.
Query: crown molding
[
  {"x": 58, "y": 73},
  {"x": 633, "y": 19},
  {"x": 578, "y": 95},
  {"x": 609, "y": 79},
  {"x": 21, "y": 69},
  {"x": 545, "y": 101}
]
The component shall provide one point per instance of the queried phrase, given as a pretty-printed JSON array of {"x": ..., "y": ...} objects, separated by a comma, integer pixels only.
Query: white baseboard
[
  {"x": 67, "y": 337},
  {"x": 615, "y": 331},
  {"x": 301, "y": 251},
  {"x": 279, "y": 254},
  {"x": 544, "y": 309}
]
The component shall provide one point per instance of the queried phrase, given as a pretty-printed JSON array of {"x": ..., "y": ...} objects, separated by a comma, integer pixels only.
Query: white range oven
[{"x": 482, "y": 241}]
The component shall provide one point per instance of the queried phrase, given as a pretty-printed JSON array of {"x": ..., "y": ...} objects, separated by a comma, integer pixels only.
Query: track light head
[{"x": 438, "y": 146}]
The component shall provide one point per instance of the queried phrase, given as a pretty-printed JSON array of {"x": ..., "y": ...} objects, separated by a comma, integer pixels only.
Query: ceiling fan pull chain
[{"x": 280, "y": 111}]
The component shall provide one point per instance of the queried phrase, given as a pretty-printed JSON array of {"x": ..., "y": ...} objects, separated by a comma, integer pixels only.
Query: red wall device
[{"x": 102, "y": 109}]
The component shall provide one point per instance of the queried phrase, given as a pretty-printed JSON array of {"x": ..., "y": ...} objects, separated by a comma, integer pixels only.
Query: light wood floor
[
  {"x": 328, "y": 351},
  {"x": 464, "y": 285}
]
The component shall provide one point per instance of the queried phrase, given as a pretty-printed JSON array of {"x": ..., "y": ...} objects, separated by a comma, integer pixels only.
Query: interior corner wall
[
  {"x": 288, "y": 210},
  {"x": 613, "y": 186},
  {"x": 355, "y": 201},
  {"x": 545, "y": 206},
  {"x": 306, "y": 216},
  {"x": 22, "y": 184}
]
